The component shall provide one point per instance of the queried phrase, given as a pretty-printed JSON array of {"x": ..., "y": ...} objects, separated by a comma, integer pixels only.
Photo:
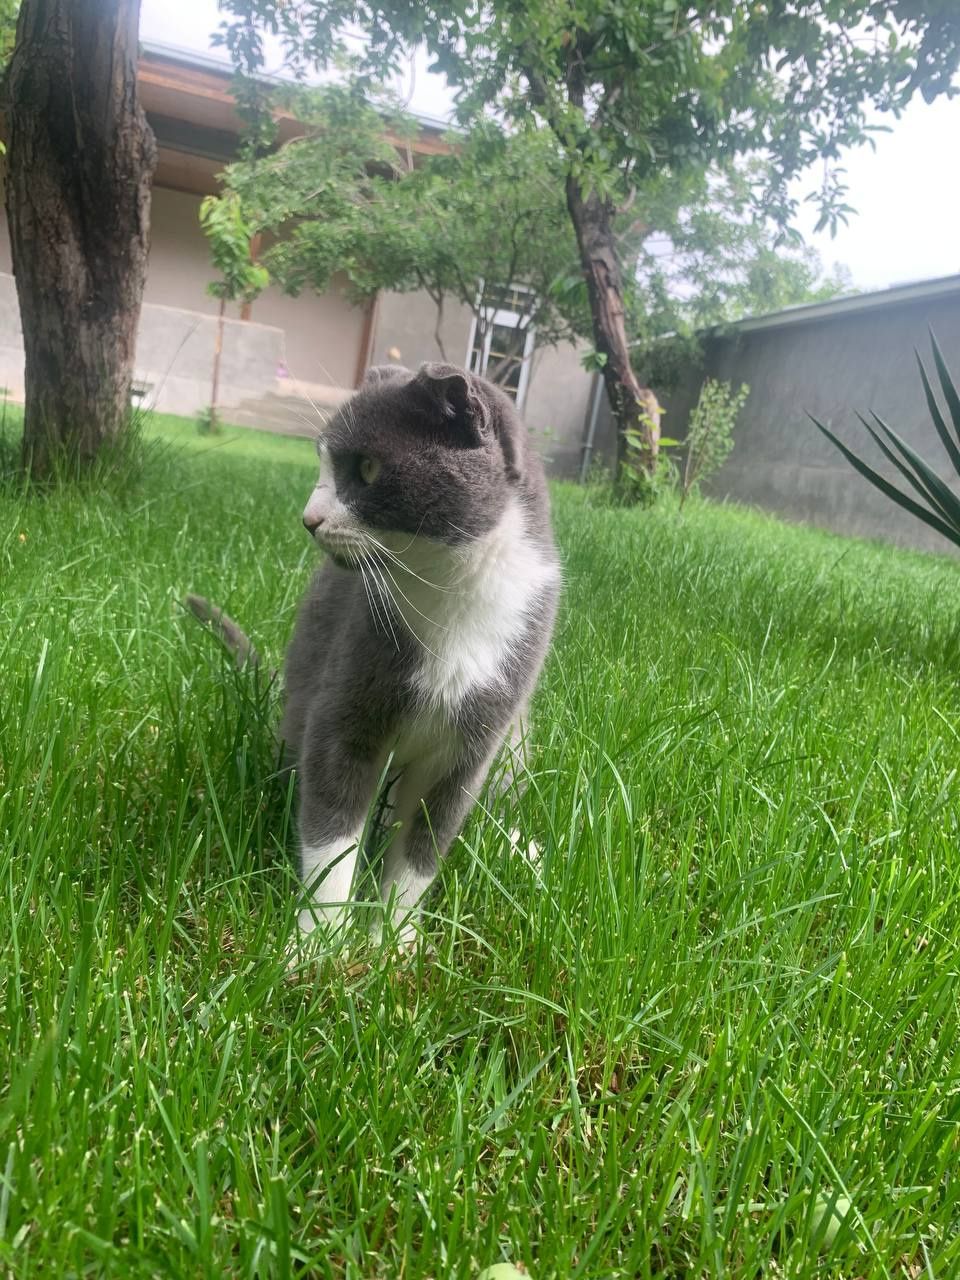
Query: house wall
[
  {"x": 174, "y": 356},
  {"x": 405, "y": 322},
  {"x": 179, "y": 269},
  {"x": 313, "y": 342},
  {"x": 322, "y": 336},
  {"x": 831, "y": 368}
]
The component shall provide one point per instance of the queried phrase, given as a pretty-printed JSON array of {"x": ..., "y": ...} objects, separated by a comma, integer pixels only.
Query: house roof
[
  {"x": 188, "y": 100},
  {"x": 849, "y": 304}
]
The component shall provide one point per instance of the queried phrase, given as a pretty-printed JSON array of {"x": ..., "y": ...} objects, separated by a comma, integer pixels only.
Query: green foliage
[
  {"x": 344, "y": 200},
  {"x": 709, "y": 439},
  {"x": 632, "y": 91},
  {"x": 8, "y": 32},
  {"x": 725, "y": 994},
  {"x": 594, "y": 361},
  {"x": 935, "y": 504},
  {"x": 705, "y": 255},
  {"x": 641, "y": 95},
  {"x": 775, "y": 279},
  {"x": 230, "y": 232},
  {"x": 9, "y": 10},
  {"x": 637, "y": 484}
]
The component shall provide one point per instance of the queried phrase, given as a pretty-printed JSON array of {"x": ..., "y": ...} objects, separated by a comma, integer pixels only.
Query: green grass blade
[
  {"x": 889, "y": 490},
  {"x": 720, "y": 996}
]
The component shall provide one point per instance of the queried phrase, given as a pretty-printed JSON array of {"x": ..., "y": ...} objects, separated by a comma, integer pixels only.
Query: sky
[{"x": 905, "y": 191}]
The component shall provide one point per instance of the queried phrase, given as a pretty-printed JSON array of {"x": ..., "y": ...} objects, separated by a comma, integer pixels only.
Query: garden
[{"x": 710, "y": 1029}]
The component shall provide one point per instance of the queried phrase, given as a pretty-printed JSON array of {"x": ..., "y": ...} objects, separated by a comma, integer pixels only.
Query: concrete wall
[
  {"x": 322, "y": 336},
  {"x": 557, "y": 406},
  {"x": 831, "y": 367},
  {"x": 174, "y": 356},
  {"x": 321, "y": 333}
]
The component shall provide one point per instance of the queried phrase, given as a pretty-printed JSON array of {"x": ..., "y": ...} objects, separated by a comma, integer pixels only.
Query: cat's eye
[{"x": 369, "y": 470}]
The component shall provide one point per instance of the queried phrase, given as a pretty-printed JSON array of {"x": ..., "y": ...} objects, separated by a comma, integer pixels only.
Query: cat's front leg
[
  {"x": 429, "y": 818},
  {"x": 337, "y": 794}
]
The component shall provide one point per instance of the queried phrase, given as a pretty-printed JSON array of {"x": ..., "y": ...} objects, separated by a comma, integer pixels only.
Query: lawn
[{"x": 725, "y": 998}]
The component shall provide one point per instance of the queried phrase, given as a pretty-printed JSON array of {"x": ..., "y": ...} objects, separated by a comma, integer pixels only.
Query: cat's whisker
[
  {"x": 368, "y": 592},
  {"x": 379, "y": 569},
  {"x": 414, "y": 536},
  {"x": 323, "y": 416},
  {"x": 456, "y": 528},
  {"x": 385, "y": 598},
  {"x": 432, "y": 621},
  {"x": 395, "y": 558},
  {"x": 386, "y": 604}
]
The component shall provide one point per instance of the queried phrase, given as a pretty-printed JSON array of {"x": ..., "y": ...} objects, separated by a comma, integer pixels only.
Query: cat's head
[{"x": 434, "y": 455}]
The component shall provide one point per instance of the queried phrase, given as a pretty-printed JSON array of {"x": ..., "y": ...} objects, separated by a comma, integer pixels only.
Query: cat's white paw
[
  {"x": 320, "y": 931},
  {"x": 400, "y": 933},
  {"x": 532, "y": 852}
]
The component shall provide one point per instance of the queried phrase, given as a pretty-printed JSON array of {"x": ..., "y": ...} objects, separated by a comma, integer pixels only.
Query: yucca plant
[{"x": 936, "y": 504}]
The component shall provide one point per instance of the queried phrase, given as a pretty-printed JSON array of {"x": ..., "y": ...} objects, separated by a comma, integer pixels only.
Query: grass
[{"x": 729, "y": 988}]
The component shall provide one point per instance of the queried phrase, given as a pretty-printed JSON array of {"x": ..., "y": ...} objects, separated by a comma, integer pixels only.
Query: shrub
[{"x": 710, "y": 437}]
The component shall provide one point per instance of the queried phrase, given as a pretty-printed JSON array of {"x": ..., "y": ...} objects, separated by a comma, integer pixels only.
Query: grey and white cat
[{"x": 421, "y": 637}]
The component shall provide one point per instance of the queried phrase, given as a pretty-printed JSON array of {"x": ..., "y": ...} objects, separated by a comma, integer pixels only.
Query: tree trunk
[
  {"x": 217, "y": 356},
  {"x": 81, "y": 158},
  {"x": 635, "y": 408}
]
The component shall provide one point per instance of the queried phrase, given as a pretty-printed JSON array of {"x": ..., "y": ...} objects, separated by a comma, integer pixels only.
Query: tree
[
  {"x": 632, "y": 91},
  {"x": 81, "y": 158},
  {"x": 343, "y": 199},
  {"x": 488, "y": 216},
  {"x": 241, "y": 278}
]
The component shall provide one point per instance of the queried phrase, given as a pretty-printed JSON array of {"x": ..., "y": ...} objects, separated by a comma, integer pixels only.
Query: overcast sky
[{"x": 906, "y": 192}]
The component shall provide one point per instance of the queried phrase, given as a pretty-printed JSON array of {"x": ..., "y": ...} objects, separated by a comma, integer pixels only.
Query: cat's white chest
[{"x": 470, "y": 618}]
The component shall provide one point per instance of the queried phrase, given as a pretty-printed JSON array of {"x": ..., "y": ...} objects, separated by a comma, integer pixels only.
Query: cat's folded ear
[
  {"x": 378, "y": 373},
  {"x": 458, "y": 399}
]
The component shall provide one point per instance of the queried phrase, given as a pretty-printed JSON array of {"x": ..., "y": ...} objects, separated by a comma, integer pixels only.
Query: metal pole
[{"x": 586, "y": 449}]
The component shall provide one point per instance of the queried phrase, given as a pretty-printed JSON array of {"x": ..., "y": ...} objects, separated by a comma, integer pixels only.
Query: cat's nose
[{"x": 311, "y": 522}]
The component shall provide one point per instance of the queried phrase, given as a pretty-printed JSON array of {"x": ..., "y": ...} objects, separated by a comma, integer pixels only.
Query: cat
[{"x": 421, "y": 637}]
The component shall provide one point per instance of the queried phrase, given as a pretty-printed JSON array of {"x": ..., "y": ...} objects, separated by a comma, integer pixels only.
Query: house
[{"x": 283, "y": 358}]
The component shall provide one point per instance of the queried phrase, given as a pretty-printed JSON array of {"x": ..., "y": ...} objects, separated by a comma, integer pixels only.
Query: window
[{"x": 503, "y": 334}]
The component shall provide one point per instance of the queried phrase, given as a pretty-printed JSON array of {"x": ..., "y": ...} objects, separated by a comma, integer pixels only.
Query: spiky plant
[{"x": 938, "y": 506}]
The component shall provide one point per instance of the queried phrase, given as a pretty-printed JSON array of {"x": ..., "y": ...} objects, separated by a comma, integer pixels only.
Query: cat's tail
[{"x": 230, "y": 635}]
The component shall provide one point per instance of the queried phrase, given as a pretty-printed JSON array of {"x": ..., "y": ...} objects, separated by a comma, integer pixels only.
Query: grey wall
[
  {"x": 831, "y": 368},
  {"x": 557, "y": 404},
  {"x": 175, "y": 358}
]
